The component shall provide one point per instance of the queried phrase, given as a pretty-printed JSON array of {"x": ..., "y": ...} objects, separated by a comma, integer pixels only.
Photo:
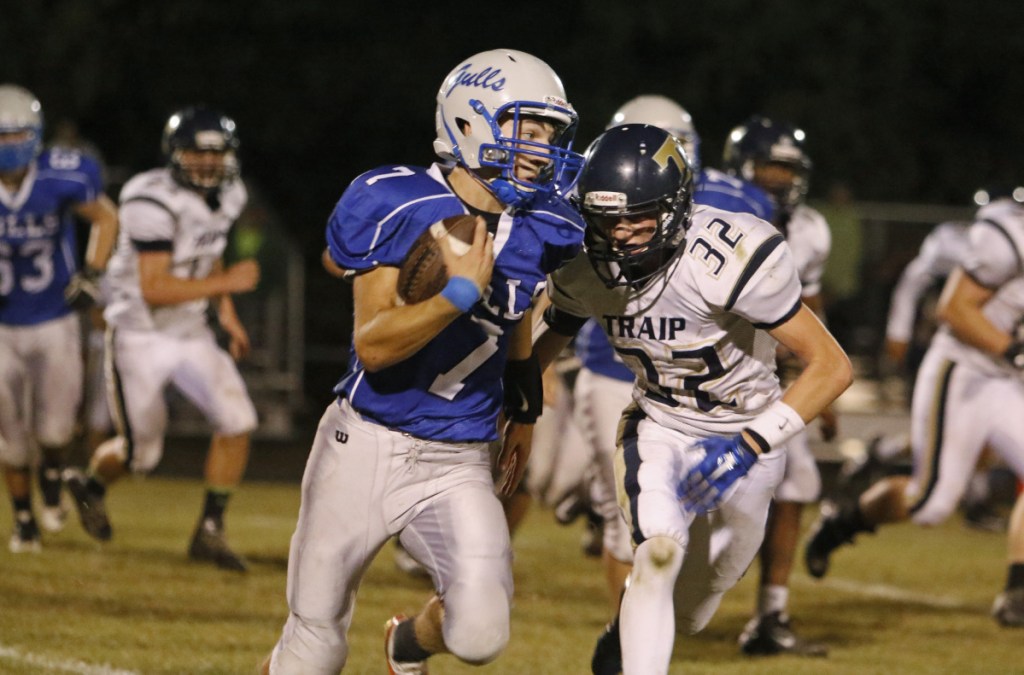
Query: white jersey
[
  {"x": 941, "y": 251},
  {"x": 810, "y": 241},
  {"x": 159, "y": 214},
  {"x": 694, "y": 336},
  {"x": 994, "y": 257}
]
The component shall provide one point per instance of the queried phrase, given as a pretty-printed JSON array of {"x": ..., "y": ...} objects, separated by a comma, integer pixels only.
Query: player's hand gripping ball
[{"x": 423, "y": 273}]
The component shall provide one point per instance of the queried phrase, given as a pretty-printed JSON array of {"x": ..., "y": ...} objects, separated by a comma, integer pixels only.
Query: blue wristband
[{"x": 461, "y": 292}]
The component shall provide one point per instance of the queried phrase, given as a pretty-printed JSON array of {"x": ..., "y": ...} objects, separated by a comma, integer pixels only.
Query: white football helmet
[
  {"x": 663, "y": 112},
  {"x": 20, "y": 111},
  {"x": 486, "y": 89}
]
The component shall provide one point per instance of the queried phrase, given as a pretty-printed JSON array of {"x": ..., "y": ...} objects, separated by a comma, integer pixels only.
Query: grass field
[{"x": 906, "y": 601}]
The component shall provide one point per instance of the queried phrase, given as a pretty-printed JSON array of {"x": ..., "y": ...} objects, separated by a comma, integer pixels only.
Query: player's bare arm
[
  {"x": 827, "y": 371},
  {"x": 960, "y": 306},
  {"x": 229, "y": 321},
  {"x": 102, "y": 213},
  {"x": 161, "y": 287},
  {"x": 332, "y": 267},
  {"x": 387, "y": 331}
]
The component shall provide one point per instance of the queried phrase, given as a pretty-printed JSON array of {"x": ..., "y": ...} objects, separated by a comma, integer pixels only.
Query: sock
[
  {"x": 1015, "y": 578},
  {"x": 851, "y": 521},
  {"x": 407, "y": 648},
  {"x": 216, "y": 502},
  {"x": 772, "y": 598},
  {"x": 49, "y": 481},
  {"x": 22, "y": 508}
]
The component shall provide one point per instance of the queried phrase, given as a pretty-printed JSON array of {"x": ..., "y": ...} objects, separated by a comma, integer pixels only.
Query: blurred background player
[
  {"x": 968, "y": 395},
  {"x": 404, "y": 451},
  {"x": 707, "y": 427},
  {"x": 772, "y": 155},
  {"x": 40, "y": 286},
  {"x": 166, "y": 270},
  {"x": 910, "y": 327}
]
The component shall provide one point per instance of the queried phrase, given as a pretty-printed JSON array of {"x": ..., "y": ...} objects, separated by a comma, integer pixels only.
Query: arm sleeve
[
  {"x": 768, "y": 291},
  {"x": 917, "y": 277},
  {"x": 149, "y": 223}
]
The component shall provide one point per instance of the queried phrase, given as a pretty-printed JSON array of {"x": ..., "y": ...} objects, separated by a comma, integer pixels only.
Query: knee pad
[
  {"x": 476, "y": 622},
  {"x": 659, "y": 554},
  {"x": 309, "y": 648}
]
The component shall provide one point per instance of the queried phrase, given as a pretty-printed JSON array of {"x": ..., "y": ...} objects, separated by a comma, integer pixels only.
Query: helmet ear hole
[{"x": 465, "y": 128}]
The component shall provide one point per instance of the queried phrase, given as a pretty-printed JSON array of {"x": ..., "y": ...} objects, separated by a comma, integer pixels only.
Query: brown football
[{"x": 423, "y": 273}]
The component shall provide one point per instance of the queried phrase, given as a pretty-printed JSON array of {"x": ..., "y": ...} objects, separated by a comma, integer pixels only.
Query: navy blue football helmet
[
  {"x": 201, "y": 129},
  {"x": 630, "y": 171},
  {"x": 759, "y": 141}
]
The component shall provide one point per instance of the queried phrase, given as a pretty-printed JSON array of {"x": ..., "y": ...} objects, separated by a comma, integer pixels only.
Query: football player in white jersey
[
  {"x": 604, "y": 383},
  {"x": 165, "y": 272},
  {"x": 968, "y": 394},
  {"x": 772, "y": 155},
  {"x": 404, "y": 450},
  {"x": 693, "y": 299},
  {"x": 40, "y": 287}
]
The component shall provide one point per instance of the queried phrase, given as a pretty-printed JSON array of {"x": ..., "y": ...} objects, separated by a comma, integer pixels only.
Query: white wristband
[{"x": 776, "y": 425}]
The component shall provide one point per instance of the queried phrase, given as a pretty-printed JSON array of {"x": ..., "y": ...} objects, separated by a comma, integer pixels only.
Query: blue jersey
[
  {"x": 451, "y": 389},
  {"x": 38, "y": 250},
  {"x": 714, "y": 188},
  {"x": 728, "y": 193}
]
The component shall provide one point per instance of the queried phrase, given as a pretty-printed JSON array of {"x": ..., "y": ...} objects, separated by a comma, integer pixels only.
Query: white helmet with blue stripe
[
  {"x": 489, "y": 88},
  {"x": 21, "y": 127}
]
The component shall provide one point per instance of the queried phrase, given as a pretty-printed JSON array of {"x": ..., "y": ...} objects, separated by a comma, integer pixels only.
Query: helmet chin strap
[
  {"x": 508, "y": 194},
  {"x": 502, "y": 189}
]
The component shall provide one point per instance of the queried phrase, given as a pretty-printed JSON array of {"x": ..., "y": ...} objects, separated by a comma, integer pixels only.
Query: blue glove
[{"x": 726, "y": 460}]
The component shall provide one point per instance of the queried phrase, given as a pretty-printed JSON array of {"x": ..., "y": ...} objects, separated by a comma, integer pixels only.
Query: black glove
[
  {"x": 524, "y": 390},
  {"x": 83, "y": 291}
]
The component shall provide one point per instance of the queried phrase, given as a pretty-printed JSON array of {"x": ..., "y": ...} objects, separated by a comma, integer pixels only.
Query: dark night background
[{"x": 902, "y": 102}]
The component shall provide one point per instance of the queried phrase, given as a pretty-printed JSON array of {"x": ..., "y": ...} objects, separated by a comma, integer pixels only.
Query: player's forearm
[
  {"x": 170, "y": 290},
  {"x": 826, "y": 375},
  {"x": 396, "y": 333},
  {"x": 971, "y": 326},
  {"x": 103, "y": 232}
]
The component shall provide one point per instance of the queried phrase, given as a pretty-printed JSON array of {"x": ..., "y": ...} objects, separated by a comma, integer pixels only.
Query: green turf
[{"x": 137, "y": 604}]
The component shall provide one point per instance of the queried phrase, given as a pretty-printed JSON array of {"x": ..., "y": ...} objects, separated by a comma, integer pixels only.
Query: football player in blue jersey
[
  {"x": 40, "y": 287},
  {"x": 404, "y": 450}
]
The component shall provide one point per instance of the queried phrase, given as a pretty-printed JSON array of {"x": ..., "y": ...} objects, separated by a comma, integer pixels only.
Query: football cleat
[
  {"x": 826, "y": 536},
  {"x": 92, "y": 510},
  {"x": 210, "y": 545},
  {"x": 607, "y": 658},
  {"x": 399, "y": 667},
  {"x": 25, "y": 538},
  {"x": 772, "y": 634},
  {"x": 1008, "y": 608}
]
